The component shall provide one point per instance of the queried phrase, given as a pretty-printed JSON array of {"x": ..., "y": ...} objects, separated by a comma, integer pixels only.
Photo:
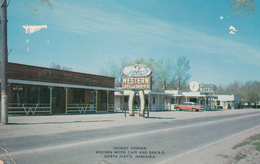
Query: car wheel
[
  {"x": 194, "y": 110},
  {"x": 178, "y": 109}
]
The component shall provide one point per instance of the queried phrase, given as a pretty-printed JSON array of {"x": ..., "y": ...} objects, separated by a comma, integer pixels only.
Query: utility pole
[{"x": 4, "y": 56}]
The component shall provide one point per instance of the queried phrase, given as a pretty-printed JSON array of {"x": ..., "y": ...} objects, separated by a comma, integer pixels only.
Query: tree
[
  {"x": 248, "y": 93},
  {"x": 220, "y": 90},
  {"x": 57, "y": 66},
  {"x": 115, "y": 70},
  {"x": 181, "y": 74},
  {"x": 251, "y": 92},
  {"x": 233, "y": 89},
  {"x": 242, "y": 8},
  {"x": 162, "y": 71}
]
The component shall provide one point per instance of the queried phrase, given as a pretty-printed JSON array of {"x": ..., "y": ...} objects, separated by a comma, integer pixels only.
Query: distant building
[{"x": 228, "y": 101}]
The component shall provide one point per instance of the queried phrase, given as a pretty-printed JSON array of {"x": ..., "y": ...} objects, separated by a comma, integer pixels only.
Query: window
[
  {"x": 103, "y": 97},
  {"x": 91, "y": 97},
  {"x": 153, "y": 100},
  {"x": 30, "y": 94},
  {"x": 78, "y": 96}
]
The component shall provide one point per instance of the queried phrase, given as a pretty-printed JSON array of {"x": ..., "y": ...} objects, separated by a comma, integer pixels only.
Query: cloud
[
  {"x": 138, "y": 28},
  {"x": 231, "y": 32},
  {"x": 232, "y": 28}
]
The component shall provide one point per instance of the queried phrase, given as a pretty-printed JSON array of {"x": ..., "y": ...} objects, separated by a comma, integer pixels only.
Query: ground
[{"x": 242, "y": 148}]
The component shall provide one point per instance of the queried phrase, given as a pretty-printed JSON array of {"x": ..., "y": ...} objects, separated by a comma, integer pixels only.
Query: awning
[{"x": 15, "y": 81}]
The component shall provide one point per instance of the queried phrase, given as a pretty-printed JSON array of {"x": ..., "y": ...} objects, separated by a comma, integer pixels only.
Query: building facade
[
  {"x": 228, "y": 101},
  {"x": 160, "y": 99},
  {"x": 34, "y": 89}
]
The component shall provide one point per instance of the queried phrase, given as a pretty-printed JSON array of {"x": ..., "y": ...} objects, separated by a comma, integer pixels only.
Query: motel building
[
  {"x": 160, "y": 99},
  {"x": 37, "y": 90}
]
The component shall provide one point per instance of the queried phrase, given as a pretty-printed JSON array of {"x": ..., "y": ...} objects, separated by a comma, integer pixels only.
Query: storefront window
[
  {"x": 103, "y": 97},
  {"x": 78, "y": 96},
  {"x": 30, "y": 94}
]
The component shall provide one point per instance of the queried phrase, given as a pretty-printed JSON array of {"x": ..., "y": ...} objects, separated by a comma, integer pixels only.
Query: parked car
[{"x": 189, "y": 106}]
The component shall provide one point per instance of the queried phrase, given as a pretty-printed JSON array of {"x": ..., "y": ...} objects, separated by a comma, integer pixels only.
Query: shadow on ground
[
  {"x": 161, "y": 118},
  {"x": 69, "y": 122}
]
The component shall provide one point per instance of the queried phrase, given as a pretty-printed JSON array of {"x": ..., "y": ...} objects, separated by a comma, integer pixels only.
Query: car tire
[
  {"x": 178, "y": 109},
  {"x": 194, "y": 110}
]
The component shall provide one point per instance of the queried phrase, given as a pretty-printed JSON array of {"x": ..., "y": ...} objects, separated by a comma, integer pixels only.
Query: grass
[
  {"x": 251, "y": 140},
  {"x": 223, "y": 156},
  {"x": 241, "y": 144},
  {"x": 257, "y": 144},
  {"x": 238, "y": 157}
]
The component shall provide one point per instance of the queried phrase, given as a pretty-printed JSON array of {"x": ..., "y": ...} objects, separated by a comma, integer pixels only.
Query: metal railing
[
  {"x": 137, "y": 110},
  {"x": 28, "y": 108},
  {"x": 81, "y": 108},
  {"x": 110, "y": 107}
]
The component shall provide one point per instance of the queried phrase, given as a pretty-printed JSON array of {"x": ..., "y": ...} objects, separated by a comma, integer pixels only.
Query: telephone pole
[{"x": 4, "y": 59}]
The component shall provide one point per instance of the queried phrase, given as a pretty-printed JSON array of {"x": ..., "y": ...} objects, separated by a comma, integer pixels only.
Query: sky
[{"x": 222, "y": 46}]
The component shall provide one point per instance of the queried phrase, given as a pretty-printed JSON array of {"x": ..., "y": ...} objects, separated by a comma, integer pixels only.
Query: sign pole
[{"x": 4, "y": 107}]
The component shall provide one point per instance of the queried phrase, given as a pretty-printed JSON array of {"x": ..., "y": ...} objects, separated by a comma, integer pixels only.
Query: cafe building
[{"x": 38, "y": 90}]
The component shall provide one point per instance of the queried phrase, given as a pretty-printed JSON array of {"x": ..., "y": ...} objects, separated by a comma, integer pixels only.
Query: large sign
[
  {"x": 137, "y": 70},
  {"x": 137, "y": 77},
  {"x": 136, "y": 83},
  {"x": 196, "y": 87},
  {"x": 207, "y": 88}
]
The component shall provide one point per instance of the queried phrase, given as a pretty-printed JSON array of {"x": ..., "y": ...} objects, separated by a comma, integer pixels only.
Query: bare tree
[
  {"x": 251, "y": 92},
  {"x": 248, "y": 92},
  {"x": 220, "y": 90},
  {"x": 242, "y": 8},
  {"x": 181, "y": 73},
  {"x": 115, "y": 70},
  {"x": 57, "y": 66},
  {"x": 162, "y": 71},
  {"x": 233, "y": 89}
]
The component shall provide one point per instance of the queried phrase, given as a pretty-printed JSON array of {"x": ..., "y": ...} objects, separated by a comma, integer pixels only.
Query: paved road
[{"x": 151, "y": 142}]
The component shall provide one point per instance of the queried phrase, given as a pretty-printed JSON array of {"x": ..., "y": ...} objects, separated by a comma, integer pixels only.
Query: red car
[{"x": 189, "y": 106}]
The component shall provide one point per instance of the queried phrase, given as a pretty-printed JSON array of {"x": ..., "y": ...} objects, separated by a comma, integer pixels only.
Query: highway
[{"x": 152, "y": 142}]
